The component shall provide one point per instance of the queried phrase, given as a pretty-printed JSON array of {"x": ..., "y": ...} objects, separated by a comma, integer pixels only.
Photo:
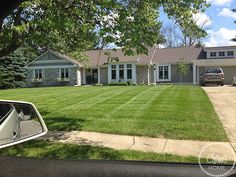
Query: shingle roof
[
  {"x": 98, "y": 57},
  {"x": 172, "y": 55}
]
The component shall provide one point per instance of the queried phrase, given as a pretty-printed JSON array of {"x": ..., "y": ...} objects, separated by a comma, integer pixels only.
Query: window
[
  {"x": 113, "y": 72},
  {"x": 164, "y": 72},
  {"x": 221, "y": 54},
  {"x": 230, "y": 53},
  {"x": 129, "y": 71},
  {"x": 38, "y": 74},
  {"x": 121, "y": 71},
  {"x": 64, "y": 73},
  {"x": 213, "y": 54}
]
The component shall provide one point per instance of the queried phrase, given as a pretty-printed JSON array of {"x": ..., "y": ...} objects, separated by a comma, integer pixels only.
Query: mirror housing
[{"x": 19, "y": 122}]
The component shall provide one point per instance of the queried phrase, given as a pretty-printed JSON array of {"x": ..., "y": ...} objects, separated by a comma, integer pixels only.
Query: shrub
[
  {"x": 130, "y": 83},
  {"x": 118, "y": 84},
  {"x": 98, "y": 84}
]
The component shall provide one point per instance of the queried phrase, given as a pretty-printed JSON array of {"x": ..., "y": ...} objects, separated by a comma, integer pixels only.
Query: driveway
[{"x": 224, "y": 101}]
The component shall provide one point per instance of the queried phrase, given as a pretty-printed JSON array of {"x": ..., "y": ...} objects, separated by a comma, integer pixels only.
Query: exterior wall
[
  {"x": 142, "y": 74},
  {"x": 229, "y": 72},
  {"x": 175, "y": 76},
  {"x": 50, "y": 76},
  {"x": 103, "y": 76}
]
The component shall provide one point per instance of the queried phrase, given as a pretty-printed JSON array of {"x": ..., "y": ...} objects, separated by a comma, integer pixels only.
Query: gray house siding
[
  {"x": 51, "y": 65},
  {"x": 175, "y": 76},
  {"x": 104, "y": 76},
  {"x": 50, "y": 76},
  {"x": 142, "y": 74}
]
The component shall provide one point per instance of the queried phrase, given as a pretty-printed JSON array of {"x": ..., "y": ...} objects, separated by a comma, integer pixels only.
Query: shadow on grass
[
  {"x": 45, "y": 149},
  {"x": 64, "y": 123}
]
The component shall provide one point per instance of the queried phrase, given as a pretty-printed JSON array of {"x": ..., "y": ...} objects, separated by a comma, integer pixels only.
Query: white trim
[
  {"x": 78, "y": 77},
  {"x": 84, "y": 76},
  {"x": 169, "y": 73},
  {"x": 99, "y": 75},
  {"x": 194, "y": 74}
]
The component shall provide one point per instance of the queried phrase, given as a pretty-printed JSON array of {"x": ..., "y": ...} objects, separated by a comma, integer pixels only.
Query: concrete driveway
[{"x": 224, "y": 101}]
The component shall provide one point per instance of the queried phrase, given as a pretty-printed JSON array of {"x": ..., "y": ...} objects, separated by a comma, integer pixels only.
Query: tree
[
  {"x": 234, "y": 39},
  {"x": 171, "y": 35},
  {"x": 12, "y": 72},
  {"x": 182, "y": 68},
  {"x": 72, "y": 26}
]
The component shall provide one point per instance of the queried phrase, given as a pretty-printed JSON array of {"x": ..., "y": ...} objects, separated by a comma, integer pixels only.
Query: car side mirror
[{"x": 19, "y": 122}]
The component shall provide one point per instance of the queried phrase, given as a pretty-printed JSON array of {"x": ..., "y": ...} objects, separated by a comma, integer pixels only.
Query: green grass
[
  {"x": 177, "y": 112},
  {"x": 50, "y": 150}
]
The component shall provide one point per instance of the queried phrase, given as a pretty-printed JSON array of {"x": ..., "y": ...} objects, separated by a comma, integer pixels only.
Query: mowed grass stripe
[{"x": 180, "y": 112}]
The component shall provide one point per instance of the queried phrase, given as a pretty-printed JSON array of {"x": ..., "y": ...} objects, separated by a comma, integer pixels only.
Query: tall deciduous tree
[{"x": 71, "y": 26}]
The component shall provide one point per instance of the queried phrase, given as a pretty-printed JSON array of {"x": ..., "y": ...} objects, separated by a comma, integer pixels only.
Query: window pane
[
  {"x": 230, "y": 53},
  {"x": 129, "y": 65},
  {"x": 121, "y": 66},
  {"x": 213, "y": 54},
  {"x": 160, "y": 72},
  {"x": 36, "y": 71},
  {"x": 221, "y": 53},
  {"x": 121, "y": 74},
  {"x": 62, "y": 73},
  {"x": 67, "y": 73},
  {"x": 40, "y": 73},
  {"x": 113, "y": 74},
  {"x": 129, "y": 74},
  {"x": 166, "y": 74},
  {"x": 113, "y": 66}
]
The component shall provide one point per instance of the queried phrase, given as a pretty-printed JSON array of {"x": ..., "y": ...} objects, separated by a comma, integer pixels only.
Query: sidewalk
[{"x": 144, "y": 144}]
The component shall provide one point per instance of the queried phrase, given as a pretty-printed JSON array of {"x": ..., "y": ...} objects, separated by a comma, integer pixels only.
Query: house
[
  {"x": 53, "y": 69},
  {"x": 160, "y": 65}
]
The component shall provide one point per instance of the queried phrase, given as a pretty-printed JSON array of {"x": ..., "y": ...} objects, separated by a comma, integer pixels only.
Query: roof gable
[{"x": 51, "y": 58}]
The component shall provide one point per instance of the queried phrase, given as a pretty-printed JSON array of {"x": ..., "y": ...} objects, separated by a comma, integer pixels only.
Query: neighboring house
[
  {"x": 53, "y": 69},
  {"x": 157, "y": 67}
]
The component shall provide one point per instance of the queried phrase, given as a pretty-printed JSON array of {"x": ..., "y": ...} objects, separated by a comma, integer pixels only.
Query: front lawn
[{"x": 176, "y": 112}]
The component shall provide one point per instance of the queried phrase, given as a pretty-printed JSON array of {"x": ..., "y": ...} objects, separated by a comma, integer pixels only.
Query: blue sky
[{"x": 219, "y": 22}]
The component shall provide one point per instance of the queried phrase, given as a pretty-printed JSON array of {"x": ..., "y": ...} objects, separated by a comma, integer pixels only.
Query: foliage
[
  {"x": 118, "y": 84},
  {"x": 72, "y": 26},
  {"x": 182, "y": 68},
  {"x": 12, "y": 69}
]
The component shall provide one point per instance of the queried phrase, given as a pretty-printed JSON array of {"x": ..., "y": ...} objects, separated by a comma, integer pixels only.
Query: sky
[{"x": 220, "y": 25}]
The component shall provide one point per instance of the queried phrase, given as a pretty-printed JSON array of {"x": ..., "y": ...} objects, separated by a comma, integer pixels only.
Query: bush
[
  {"x": 98, "y": 84},
  {"x": 118, "y": 84},
  {"x": 130, "y": 83},
  {"x": 153, "y": 84}
]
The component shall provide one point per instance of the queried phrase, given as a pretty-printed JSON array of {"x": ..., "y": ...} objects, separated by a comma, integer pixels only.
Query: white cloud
[
  {"x": 220, "y": 2},
  {"x": 202, "y": 20},
  {"x": 226, "y": 12},
  {"x": 221, "y": 37}
]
